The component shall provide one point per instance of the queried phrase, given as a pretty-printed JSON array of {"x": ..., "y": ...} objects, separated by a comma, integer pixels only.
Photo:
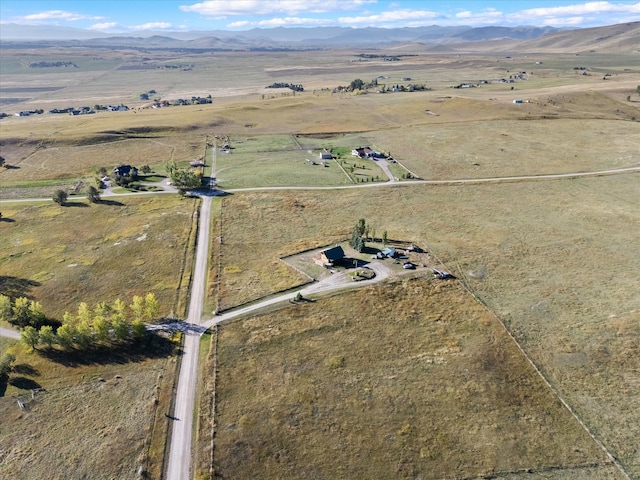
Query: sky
[{"x": 129, "y": 16}]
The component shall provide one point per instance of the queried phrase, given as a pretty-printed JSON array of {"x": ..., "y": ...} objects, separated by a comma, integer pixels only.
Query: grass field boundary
[
  {"x": 215, "y": 332},
  {"x": 555, "y": 392},
  {"x": 186, "y": 262},
  {"x": 169, "y": 416}
]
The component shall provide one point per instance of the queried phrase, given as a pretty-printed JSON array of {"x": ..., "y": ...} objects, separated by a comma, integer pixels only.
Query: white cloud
[
  {"x": 282, "y": 22},
  {"x": 490, "y": 16},
  {"x": 152, "y": 26},
  {"x": 217, "y": 8},
  {"x": 391, "y": 17},
  {"x": 104, "y": 26},
  {"x": 58, "y": 15},
  {"x": 577, "y": 14},
  {"x": 589, "y": 8}
]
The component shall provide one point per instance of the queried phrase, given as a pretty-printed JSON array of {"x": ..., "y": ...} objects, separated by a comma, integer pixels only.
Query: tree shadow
[
  {"x": 8, "y": 220},
  {"x": 112, "y": 203},
  {"x": 15, "y": 287},
  {"x": 75, "y": 204},
  {"x": 152, "y": 346},
  {"x": 26, "y": 369},
  {"x": 11, "y": 167},
  {"x": 3, "y": 386},
  {"x": 24, "y": 383}
]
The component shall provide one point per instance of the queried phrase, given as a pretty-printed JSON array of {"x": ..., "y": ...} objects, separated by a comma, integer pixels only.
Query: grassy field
[
  {"x": 434, "y": 389},
  {"x": 566, "y": 247},
  {"x": 404, "y": 380},
  {"x": 115, "y": 403},
  {"x": 125, "y": 247}
]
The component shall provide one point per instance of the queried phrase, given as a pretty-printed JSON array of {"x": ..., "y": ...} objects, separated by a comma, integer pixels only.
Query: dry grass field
[
  {"x": 89, "y": 412},
  {"x": 412, "y": 379},
  {"x": 83, "y": 252},
  {"x": 566, "y": 246}
]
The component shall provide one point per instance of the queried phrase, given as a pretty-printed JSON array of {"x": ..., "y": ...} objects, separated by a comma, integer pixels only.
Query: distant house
[
  {"x": 125, "y": 171},
  {"x": 517, "y": 100},
  {"x": 197, "y": 163},
  {"x": 325, "y": 155},
  {"x": 329, "y": 256},
  {"x": 366, "y": 152}
]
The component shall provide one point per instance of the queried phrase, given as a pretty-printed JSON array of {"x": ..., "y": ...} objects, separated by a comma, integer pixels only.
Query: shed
[
  {"x": 389, "y": 252},
  {"x": 325, "y": 155}
]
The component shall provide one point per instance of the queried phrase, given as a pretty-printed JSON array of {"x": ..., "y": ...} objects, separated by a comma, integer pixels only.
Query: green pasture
[{"x": 279, "y": 160}]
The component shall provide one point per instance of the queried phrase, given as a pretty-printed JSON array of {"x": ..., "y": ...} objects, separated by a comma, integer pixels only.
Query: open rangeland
[
  {"x": 86, "y": 416},
  {"x": 85, "y": 252},
  {"x": 407, "y": 379},
  {"x": 571, "y": 263}
]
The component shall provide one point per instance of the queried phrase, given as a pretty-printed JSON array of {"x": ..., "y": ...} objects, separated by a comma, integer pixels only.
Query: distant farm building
[
  {"x": 329, "y": 256},
  {"x": 366, "y": 152},
  {"x": 325, "y": 155},
  {"x": 389, "y": 252}
]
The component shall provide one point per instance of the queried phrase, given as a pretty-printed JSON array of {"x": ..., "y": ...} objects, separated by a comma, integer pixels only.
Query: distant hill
[
  {"x": 622, "y": 37},
  {"x": 613, "y": 38},
  {"x": 281, "y": 37}
]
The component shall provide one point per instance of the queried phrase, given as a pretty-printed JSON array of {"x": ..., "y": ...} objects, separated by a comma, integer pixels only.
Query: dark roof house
[{"x": 329, "y": 256}]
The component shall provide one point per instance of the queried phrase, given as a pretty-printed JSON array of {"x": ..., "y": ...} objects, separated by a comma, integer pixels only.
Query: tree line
[
  {"x": 88, "y": 328},
  {"x": 362, "y": 232}
]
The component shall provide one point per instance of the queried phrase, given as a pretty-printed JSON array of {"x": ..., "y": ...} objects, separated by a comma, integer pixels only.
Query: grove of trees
[
  {"x": 183, "y": 178},
  {"x": 102, "y": 325}
]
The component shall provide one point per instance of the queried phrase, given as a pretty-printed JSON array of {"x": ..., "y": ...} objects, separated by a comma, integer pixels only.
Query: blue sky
[{"x": 126, "y": 16}]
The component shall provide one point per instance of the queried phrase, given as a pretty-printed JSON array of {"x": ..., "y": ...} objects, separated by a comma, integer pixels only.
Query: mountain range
[{"x": 623, "y": 35}]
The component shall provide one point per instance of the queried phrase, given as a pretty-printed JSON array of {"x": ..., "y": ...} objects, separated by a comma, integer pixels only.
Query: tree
[
  {"x": 65, "y": 336},
  {"x": 137, "y": 307},
  {"x": 36, "y": 314},
  {"x": 2, "y": 162},
  {"x": 151, "y": 307},
  {"x": 102, "y": 329},
  {"x": 182, "y": 178},
  {"x": 30, "y": 336},
  {"x": 6, "y": 365},
  {"x": 93, "y": 194},
  {"x": 384, "y": 237},
  {"x": 146, "y": 169},
  {"x": 356, "y": 84},
  {"x": 20, "y": 312},
  {"x": 139, "y": 330},
  {"x": 6, "y": 311},
  {"x": 60, "y": 197},
  {"x": 120, "y": 327},
  {"x": 84, "y": 335},
  {"x": 47, "y": 337}
]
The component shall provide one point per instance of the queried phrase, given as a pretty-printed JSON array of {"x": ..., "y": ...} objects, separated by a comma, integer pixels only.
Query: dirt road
[
  {"x": 9, "y": 333},
  {"x": 180, "y": 452}
]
